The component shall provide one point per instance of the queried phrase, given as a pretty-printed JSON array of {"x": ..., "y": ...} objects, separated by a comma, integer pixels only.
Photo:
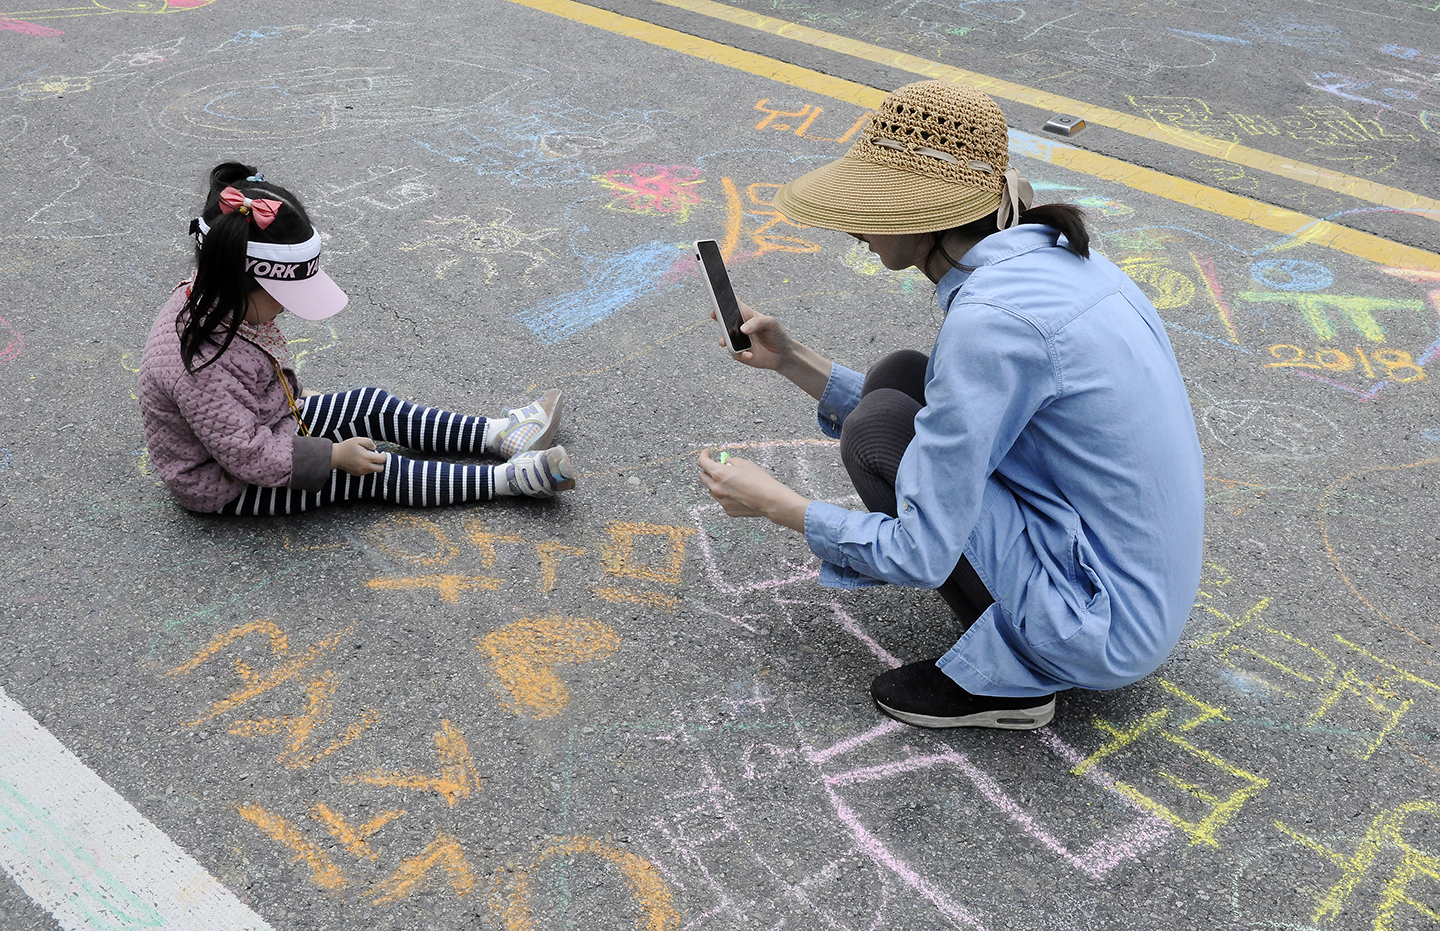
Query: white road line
[{"x": 86, "y": 855}]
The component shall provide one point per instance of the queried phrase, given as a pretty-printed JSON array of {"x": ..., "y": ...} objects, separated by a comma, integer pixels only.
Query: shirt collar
[{"x": 997, "y": 247}]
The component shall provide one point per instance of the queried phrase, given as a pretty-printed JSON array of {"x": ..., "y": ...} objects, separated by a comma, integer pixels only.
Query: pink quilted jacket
[{"x": 227, "y": 426}]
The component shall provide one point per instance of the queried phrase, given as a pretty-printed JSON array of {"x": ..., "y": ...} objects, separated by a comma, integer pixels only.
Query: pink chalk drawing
[
  {"x": 93, "y": 8},
  {"x": 28, "y": 29},
  {"x": 13, "y": 347},
  {"x": 667, "y": 190}
]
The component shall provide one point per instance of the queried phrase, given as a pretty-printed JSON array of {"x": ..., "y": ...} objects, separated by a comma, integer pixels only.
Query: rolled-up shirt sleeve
[
  {"x": 842, "y": 393},
  {"x": 992, "y": 371}
]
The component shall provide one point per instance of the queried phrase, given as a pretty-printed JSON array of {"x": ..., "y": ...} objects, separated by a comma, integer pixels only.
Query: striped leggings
[{"x": 378, "y": 414}]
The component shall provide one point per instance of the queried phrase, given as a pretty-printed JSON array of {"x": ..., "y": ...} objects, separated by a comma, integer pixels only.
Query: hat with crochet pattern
[{"x": 933, "y": 157}]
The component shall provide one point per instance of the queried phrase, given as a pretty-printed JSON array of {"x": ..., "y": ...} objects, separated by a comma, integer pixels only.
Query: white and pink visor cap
[{"x": 290, "y": 273}]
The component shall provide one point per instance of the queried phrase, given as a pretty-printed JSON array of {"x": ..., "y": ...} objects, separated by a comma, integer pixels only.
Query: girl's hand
[
  {"x": 357, "y": 456},
  {"x": 770, "y": 345},
  {"x": 746, "y": 490}
]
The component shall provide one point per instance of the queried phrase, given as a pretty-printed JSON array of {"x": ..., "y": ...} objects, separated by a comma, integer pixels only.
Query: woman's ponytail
[
  {"x": 1068, "y": 219},
  {"x": 220, "y": 294}
]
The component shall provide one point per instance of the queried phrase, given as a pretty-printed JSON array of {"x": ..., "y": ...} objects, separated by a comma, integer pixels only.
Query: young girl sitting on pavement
[{"x": 228, "y": 426}]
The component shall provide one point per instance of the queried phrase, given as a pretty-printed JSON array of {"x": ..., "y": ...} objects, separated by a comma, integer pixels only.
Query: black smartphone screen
[{"x": 729, "y": 308}]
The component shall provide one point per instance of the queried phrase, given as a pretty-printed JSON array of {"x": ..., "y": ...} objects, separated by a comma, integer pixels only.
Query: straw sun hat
[{"x": 934, "y": 156}]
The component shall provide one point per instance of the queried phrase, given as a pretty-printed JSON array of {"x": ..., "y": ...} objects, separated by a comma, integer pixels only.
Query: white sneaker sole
[{"x": 1010, "y": 719}]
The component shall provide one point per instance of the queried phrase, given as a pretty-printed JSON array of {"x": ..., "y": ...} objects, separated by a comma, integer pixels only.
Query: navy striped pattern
[{"x": 380, "y": 415}]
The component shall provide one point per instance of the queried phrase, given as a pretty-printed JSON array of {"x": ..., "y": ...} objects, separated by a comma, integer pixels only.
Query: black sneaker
[{"x": 922, "y": 695}]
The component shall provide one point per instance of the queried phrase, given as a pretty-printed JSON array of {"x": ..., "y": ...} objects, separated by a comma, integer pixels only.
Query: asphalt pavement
[{"x": 621, "y": 708}]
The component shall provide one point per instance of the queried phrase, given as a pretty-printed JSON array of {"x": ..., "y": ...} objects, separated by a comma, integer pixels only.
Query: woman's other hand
[
  {"x": 746, "y": 490},
  {"x": 357, "y": 456}
]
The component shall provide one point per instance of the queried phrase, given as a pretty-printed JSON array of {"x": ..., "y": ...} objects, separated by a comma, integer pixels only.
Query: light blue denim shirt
[{"x": 1057, "y": 451}]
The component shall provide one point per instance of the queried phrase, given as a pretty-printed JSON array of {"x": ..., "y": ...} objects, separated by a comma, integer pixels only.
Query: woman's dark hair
[
  {"x": 1066, "y": 219},
  {"x": 222, "y": 286}
]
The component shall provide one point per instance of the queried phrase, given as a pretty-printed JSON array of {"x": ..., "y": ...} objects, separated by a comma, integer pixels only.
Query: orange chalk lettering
[
  {"x": 651, "y": 599},
  {"x": 449, "y": 586},
  {"x": 301, "y": 728},
  {"x": 657, "y": 905},
  {"x": 550, "y": 554},
  {"x": 257, "y": 683},
  {"x": 323, "y": 871},
  {"x": 619, "y": 557},
  {"x": 443, "y": 852},
  {"x": 457, "y": 778}
]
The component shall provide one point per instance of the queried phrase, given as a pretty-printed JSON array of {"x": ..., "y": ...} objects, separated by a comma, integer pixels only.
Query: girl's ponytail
[{"x": 220, "y": 294}]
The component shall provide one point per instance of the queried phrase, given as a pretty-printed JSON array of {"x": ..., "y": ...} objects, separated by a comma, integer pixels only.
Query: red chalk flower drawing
[{"x": 667, "y": 190}]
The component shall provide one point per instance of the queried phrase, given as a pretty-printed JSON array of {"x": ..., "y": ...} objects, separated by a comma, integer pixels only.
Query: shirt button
[
  {"x": 906, "y": 508},
  {"x": 834, "y": 417}
]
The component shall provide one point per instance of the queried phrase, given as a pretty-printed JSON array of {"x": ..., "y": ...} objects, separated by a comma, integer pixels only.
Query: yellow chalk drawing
[
  {"x": 301, "y": 728},
  {"x": 1316, "y": 308},
  {"x": 386, "y": 529},
  {"x": 523, "y": 656},
  {"x": 1167, "y": 288},
  {"x": 353, "y": 837},
  {"x": 484, "y": 541},
  {"x": 657, "y": 906},
  {"x": 550, "y": 553},
  {"x": 650, "y": 599},
  {"x": 457, "y": 778},
  {"x": 1302, "y": 671},
  {"x": 1222, "y": 809},
  {"x": 323, "y": 871},
  {"x": 444, "y": 852},
  {"x": 619, "y": 557},
  {"x": 292, "y": 664},
  {"x": 1384, "y": 834},
  {"x": 449, "y": 586}
]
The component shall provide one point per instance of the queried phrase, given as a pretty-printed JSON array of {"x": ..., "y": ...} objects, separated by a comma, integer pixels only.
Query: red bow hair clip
[{"x": 261, "y": 211}]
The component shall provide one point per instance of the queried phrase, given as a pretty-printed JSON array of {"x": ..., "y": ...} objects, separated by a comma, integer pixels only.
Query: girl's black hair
[
  {"x": 222, "y": 287},
  {"x": 1066, "y": 219}
]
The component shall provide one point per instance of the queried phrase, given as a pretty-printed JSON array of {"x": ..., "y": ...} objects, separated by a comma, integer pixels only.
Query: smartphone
[{"x": 717, "y": 280}]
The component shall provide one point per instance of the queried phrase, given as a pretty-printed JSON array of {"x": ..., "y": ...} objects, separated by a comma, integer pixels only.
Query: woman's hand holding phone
[{"x": 770, "y": 345}]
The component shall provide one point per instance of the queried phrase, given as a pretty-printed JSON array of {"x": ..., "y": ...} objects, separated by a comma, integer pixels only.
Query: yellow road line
[
  {"x": 1124, "y": 122},
  {"x": 1213, "y": 200}
]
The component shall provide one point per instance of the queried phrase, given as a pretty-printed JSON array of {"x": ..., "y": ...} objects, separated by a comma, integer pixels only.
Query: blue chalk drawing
[
  {"x": 1292, "y": 275},
  {"x": 611, "y": 282},
  {"x": 544, "y": 142},
  {"x": 1432, "y": 434},
  {"x": 1210, "y": 37}
]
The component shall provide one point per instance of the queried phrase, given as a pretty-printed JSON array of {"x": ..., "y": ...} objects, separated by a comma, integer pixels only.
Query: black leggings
[{"x": 872, "y": 441}]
